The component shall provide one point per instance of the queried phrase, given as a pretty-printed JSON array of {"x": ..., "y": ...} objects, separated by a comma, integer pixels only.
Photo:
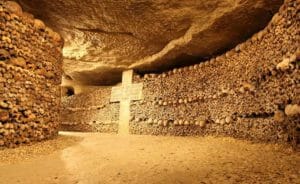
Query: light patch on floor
[{"x": 103, "y": 158}]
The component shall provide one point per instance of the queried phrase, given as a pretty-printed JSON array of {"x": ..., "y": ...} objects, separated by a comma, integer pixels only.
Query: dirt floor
[{"x": 77, "y": 158}]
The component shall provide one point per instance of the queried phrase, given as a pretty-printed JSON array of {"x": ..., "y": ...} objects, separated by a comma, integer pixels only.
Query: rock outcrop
[{"x": 103, "y": 38}]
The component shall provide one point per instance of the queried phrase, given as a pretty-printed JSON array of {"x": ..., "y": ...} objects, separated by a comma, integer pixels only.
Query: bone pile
[
  {"x": 90, "y": 112},
  {"x": 250, "y": 92},
  {"x": 30, "y": 77}
]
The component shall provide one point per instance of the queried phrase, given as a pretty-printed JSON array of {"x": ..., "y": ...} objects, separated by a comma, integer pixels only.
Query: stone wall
[
  {"x": 90, "y": 112},
  {"x": 250, "y": 92},
  {"x": 30, "y": 77}
]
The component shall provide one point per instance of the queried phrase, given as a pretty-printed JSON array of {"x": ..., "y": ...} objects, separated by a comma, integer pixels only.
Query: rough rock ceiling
[{"x": 104, "y": 37}]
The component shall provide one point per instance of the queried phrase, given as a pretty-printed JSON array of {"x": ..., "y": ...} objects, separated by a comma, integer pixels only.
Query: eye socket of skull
[{"x": 4, "y": 55}]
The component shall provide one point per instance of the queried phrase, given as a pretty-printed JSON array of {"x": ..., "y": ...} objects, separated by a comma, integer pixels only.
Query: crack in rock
[{"x": 101, "y": 31}]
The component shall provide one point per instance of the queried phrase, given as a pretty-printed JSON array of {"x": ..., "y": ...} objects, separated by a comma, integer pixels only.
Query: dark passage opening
[{"x": 70, "y": 91}]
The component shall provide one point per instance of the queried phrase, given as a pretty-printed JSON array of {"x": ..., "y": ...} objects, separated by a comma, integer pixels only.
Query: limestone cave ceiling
[{"x": 105, "y": 37}]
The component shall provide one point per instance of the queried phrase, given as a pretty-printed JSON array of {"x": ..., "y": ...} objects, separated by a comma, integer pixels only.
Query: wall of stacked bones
[
  {"x": 250, "y": 92},
  {"x": 30, "y": 75},
  {"x": 90, "y": 112}
]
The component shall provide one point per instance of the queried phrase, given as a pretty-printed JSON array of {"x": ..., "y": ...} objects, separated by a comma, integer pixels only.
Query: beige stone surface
[
  {"x": 103, "y": 38},
  {"x": 112, "y": 159},
  {"x": 124, "y": 94}
]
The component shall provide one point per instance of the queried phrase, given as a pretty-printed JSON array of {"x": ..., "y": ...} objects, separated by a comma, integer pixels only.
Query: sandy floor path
[{"x": 76, "y": 158}]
